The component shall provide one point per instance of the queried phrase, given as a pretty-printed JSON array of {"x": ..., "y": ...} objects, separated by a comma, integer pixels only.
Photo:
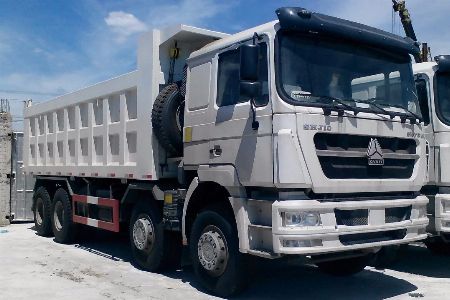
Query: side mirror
[
  {"x": 443, "y": 62},
  {"x": 249, "y": 84}
]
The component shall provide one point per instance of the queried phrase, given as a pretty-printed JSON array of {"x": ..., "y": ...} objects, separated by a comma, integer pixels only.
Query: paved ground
[{"x": 100, "y": 268}]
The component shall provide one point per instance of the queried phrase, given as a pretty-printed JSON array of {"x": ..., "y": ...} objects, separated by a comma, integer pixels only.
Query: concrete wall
[{"x": 5, "y": 166}]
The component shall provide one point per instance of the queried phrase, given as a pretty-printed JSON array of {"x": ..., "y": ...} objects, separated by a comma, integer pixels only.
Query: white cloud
[
  {"x": 189, "y": 12},
  {"x": 124, "y": 24}
]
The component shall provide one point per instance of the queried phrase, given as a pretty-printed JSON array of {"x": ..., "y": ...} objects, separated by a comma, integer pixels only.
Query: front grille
[
  {"x": 357, "y": 217},
  {"x": 344, "y": 156},
  {"x": 372, "y": 237},
  {"x": 398, "y": 214}
]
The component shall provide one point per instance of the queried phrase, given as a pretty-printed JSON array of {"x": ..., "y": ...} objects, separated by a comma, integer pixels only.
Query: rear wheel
[
  {"x": 215, "y": 253},
  {"x": 346, "y": 266},
  {"x": 42, "y": 212},
  {"x": 153, "y": 249},
  {"x": 62, "y": 223}
]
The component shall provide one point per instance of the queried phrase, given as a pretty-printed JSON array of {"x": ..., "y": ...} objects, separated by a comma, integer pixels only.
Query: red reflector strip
[
  {"x": 80, "y": 220},
  {"x": 129, "y": 175},
  {"x": 147, "y": 176},
  {"x": 69, "y": 173},
  {"x": 82, "y": 174},
  {"x": 112, "y": 174},
  {"x": 113, "y": 203},
  {"x": 94, "y": 174},
  {"x": 79, "y": 198}
]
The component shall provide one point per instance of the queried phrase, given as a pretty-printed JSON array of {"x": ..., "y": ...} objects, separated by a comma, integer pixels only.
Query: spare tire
[{"x": 168, "y": 119}]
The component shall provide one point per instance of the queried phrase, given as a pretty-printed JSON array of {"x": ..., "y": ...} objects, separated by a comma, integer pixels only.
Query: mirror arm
[{"x": 256, "y": 37}]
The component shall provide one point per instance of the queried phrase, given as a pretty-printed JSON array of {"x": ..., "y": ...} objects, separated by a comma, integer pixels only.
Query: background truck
[
  {"x": 257, "y": 143},
  {"x": 433, "y": 87}
]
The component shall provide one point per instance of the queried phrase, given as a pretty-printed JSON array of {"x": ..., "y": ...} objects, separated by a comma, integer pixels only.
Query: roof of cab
[{"x": 424, "y": 67}]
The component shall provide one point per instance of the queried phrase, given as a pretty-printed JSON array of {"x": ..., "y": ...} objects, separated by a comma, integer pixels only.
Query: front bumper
[
  {"x": 442, "y": 213},
  {"x": 330, "y": 237}
]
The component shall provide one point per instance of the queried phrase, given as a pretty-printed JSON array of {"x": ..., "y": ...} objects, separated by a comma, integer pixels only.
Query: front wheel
[
  {"x": 346, "y": 266},
  {"x": 387, "y": 256},
  {"x": 437, "y": 245},
  {"x": 215, "y": 254},
  {"x": 153, "y": 249}
]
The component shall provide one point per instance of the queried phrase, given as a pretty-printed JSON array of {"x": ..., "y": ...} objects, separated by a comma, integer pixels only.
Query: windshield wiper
[
  {"x": 413, "y": 117},
  {"x": 327, "y": 110},
  {"x": 379, "y": 107}
]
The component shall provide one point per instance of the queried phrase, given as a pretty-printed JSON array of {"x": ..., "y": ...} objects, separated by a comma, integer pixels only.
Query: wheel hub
[
  {"x": 39, "y": 211},
  {"x": 213, "y": 251},
  {"x": 58, "y": 215},
  {"x": 143, "y": 236}
]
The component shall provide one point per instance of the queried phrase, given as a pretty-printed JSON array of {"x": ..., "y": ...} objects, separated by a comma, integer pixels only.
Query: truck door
[
  {"x": 233, "y": 140},
  {"x": 423, "y": 94}
]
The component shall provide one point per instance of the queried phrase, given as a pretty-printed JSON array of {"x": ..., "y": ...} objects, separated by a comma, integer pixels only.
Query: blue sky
[{"x": 49, "y": 47}]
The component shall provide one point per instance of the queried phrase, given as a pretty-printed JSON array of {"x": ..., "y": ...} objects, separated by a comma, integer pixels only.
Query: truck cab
[
  {"x": 315, "y": 161},
  {"x": 433, "y": 87}
]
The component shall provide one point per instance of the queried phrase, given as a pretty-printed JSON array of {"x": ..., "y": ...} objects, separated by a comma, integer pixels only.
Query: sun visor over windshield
[{"x": 302, "y": 20}]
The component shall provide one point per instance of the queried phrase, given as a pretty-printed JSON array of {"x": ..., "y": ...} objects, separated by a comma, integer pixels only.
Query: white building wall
[{"x": 5, "y": 166}]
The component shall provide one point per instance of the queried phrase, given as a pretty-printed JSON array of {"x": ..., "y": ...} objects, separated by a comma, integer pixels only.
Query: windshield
[
  {"x": 313, "y": 69},
  {"x": 443, "y": 96}
]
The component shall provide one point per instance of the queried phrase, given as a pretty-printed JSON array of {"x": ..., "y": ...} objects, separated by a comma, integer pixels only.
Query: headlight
[{"x": 299, "y": 219}]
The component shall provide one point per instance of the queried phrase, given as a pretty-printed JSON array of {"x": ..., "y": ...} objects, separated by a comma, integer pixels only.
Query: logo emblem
[{"x": 374, "y": 153}]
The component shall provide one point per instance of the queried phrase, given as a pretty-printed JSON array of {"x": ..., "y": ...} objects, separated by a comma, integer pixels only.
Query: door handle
[{"x": 216, "y": 151}]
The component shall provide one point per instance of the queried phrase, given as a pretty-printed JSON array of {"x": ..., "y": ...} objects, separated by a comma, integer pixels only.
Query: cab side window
[
  {"x": 228, "y": 91},
  {"x": 422, "y": 94}
]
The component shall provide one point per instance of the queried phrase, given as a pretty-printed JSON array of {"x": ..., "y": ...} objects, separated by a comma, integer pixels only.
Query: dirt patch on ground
[
  {"x": 69, "y": 276},
  {"x": 90, "y": 272}
]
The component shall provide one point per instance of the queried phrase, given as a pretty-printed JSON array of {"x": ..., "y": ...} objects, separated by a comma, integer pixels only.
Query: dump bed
[{"x": 105, "y": 130}]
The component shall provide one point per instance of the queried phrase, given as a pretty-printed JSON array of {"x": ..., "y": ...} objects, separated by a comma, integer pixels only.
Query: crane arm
[
  {"x": 400, "y": 7},
  {"x": 405, "y": 17}
]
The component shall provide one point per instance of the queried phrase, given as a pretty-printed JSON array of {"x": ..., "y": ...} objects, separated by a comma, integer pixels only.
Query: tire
[
  {"x": 42, "y": 212},
  {"x": 346, "y": 266},
  {"x": 387, "y": 256},
  {"x": 62, "y": 223},
  {"x": 216, "y": 231},
  {"x": 167, "y": 119},
  {"x": 437, "y": 245},
  {"x": 160, "y": 250}
]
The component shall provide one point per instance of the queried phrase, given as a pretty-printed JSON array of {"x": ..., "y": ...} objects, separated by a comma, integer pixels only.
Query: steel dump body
[{"x": 105, "y": 130}]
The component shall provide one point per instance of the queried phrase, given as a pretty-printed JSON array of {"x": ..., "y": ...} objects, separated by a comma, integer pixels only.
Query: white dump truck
[
  {"x": 256, "y": 143},
  {"x": 433, "y": 87}
]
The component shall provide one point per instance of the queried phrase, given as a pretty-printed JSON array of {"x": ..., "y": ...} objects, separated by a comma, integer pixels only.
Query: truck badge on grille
[{"x": 374, "y": 153}]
